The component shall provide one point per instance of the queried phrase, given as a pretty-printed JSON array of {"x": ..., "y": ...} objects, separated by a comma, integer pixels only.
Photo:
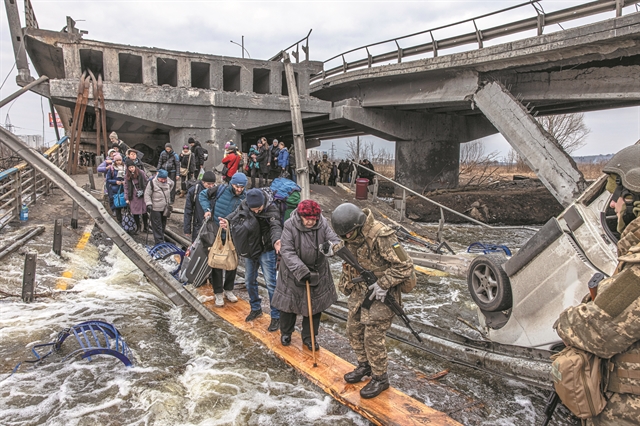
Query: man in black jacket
[
  {"x": 198, "y": 153},
  {"x": 275, "y": 151},
  {"x": 193, "y": 211},
  {"x": 264, "y": 160},
  {"x": 170, "y": 162},
  {"x": 257, "y": 203}
]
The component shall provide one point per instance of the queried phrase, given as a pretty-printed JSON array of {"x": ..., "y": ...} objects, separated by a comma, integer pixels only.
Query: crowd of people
[{"x": 292, "y": 254}]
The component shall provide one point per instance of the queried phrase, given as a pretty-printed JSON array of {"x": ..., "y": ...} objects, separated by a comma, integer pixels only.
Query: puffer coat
[{"x": 300, "y": 254}]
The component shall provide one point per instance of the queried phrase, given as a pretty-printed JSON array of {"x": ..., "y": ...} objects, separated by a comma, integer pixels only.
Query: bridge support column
[
  {"x": 427, "y": 145},
  {"x": 540, "y": 150}
]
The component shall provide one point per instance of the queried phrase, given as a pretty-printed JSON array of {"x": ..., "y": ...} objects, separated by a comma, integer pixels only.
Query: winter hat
[
  {"x": 255, "y": 198},
  {"x": 191, "y": 140},
  {"x": 168, "y": 144},
  {"x": 110, "y": 152},
  {"x": 162, "y": 173},
  {"x": 129, "y": 162},
  {"x": 228, "y": 144},
  {"x": 113, "y": 135},
  {"x": 185, "y": 147},
  {"x": 117, "y": 157},
  {"x": 239, "y": 179},
  {"x": 209, "y": 177},
  {"x": 309, "y": 209}
]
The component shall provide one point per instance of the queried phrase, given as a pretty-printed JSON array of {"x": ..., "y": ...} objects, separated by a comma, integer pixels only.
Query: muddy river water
[{"x": 191, "y": 372}]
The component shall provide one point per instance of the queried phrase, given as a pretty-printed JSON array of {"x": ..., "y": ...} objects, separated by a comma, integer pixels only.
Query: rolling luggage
[{"x": 195, "y": 269}]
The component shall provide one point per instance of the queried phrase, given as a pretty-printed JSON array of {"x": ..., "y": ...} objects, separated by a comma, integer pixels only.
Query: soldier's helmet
[
  {"x": 347, "y": 217},
  {"x": 626, "y": 164}
]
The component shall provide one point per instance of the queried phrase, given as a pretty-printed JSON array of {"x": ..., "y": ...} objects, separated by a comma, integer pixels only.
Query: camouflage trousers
[
  {"x": 369, "y": 342},
  {"x": 324, "y": 178},
  {"x": 621, "y": 410}
]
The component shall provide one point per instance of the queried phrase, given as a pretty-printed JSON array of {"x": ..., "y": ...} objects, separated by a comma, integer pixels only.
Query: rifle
[
  {"x": 370, "y": 278},
  {"x": 552, "y": 402}
]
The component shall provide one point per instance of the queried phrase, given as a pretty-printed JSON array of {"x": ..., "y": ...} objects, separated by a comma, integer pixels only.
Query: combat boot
[
  {"x": 363, "y": 369},
  {"x": 375, "y": 386}
]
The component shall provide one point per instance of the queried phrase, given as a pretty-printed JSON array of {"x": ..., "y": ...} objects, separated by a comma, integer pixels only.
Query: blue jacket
[
  {"x": 224, "y": 204},
  {"x": 283, "y": 158}
]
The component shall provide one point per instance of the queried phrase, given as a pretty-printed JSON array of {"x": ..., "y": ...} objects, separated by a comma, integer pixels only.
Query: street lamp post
[{"x": 242, "y": 46}]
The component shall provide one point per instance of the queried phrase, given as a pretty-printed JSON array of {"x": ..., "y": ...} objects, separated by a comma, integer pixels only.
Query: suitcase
[{"x": 195, "y": 269}]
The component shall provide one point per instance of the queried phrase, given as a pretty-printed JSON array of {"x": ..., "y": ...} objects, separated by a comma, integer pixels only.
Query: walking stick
[{"x": 313, "y": 337}]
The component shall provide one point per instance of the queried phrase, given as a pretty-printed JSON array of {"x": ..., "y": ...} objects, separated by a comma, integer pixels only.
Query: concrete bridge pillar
[{"x": 427, "y": 145}]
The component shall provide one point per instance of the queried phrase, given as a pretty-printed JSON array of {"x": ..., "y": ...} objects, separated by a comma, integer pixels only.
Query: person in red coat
[{"x": 232, "y": 161}]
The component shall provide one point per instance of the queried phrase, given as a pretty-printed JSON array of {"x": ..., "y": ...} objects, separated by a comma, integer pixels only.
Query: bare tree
[
  {"x": 569, "y": 130},
  {"x": 476, "y": 167}
]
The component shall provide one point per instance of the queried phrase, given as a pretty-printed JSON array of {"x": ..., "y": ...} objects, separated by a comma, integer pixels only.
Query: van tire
[{"x": 489, "y": 284}]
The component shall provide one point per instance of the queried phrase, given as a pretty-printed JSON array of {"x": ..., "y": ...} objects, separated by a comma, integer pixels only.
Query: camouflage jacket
[
  {"x": 324, "y": 167},
  {"x": 609, "y": 327},
  {"x": 377, "y": 249}
]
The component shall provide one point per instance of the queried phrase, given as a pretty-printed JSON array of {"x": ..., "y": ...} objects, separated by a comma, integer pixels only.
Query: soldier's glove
[
  {"x": 378, "y": 292},
  {"x": 327, "y": 248}
]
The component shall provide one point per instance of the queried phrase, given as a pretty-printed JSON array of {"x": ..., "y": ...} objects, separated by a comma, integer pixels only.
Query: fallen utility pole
[
  {"x": 298, "y": 132},
  {"x": 138, "y": 255},
  {"x": 26, "y": 88},
  {"x": 21, "y": 240}
]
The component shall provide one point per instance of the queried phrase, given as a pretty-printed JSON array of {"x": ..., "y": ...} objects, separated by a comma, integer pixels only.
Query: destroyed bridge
[{"x": 427, "y": 104}]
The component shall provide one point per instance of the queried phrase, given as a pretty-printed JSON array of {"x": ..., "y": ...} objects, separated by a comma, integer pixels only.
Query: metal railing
[
  {"x": 442, "y": 207},
  {"x": 295, "y": 53},
  {"x": 539, "y": 21},
  {"x": 24, "y": 184}
]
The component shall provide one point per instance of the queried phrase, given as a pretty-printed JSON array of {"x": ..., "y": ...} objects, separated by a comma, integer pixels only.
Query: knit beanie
[
  {"x": 239, "y": 179},
  {"x": 167, "y": 145},
  {"x": 309, "y": 209},
  {"x": 113, "y": 135},
  {"x": 255, "y": 198},
  {"x": 209, "y": 177},
  {"x": 129, "y": 162},
  {"x": 191, "y": 140},
  {"x": 117, "y": 157},
  {"x": 162, "y": 173}
]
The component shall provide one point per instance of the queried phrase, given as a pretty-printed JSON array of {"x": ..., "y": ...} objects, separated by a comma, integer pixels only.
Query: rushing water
[{"x": 192, "y": 372}]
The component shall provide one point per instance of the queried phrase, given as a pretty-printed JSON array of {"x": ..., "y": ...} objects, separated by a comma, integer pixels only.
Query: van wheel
[{"x": 488, "y": 284}]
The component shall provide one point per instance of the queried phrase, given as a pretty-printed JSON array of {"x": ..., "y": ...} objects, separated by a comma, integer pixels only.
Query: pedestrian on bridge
[
  {"x": 218, "y": 203},
  {"x": 156, "y": 198},
  {"x": 306, "y": 241},
  {"x": 135, "y": 182},
  {"x": 193, "y": 211},
  {"x": 377, "y": 249},
  {"x": 115, "y": 180},
  {"x": 170, "y": 162}
]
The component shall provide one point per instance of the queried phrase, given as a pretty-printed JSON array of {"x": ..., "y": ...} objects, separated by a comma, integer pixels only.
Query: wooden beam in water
[{"x": 391, "y": 407}]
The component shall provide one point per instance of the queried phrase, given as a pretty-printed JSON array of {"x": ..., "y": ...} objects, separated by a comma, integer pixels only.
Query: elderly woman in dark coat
[{"x": 302, "y": 250}]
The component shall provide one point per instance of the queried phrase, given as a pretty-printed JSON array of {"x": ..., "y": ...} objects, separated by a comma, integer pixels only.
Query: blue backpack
[{"x": 286, "y": 195}]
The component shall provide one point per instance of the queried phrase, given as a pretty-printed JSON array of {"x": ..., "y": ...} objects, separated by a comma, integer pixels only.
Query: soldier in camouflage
[
  {"x": 609, "y": 326},
  {"x": 325, "y": 170},
  {"x": 376, "y": 248}
]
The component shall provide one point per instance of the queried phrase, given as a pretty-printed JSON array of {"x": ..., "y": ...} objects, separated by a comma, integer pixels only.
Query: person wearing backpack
[
  {"x": 193, "y": 211},
  {"x": 187, "y": 168},
  {"x": 303, "y": 259},
  {"x": 269, "y": 228},
  {"x": 170, "y": 162},
  {"x": 377, "y": 249},
  {"x": 217, "y": 204},
  {"x": 608, "y": 327}
]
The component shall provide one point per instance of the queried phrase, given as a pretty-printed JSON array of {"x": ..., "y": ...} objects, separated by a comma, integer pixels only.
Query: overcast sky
[{"x": 268, "y": 26}]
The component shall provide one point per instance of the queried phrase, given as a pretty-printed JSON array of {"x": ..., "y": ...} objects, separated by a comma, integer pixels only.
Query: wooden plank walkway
[{"x": 391, "y": 407}]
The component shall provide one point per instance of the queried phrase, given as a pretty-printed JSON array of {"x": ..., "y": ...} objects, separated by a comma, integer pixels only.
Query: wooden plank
[{"x": 391, "y": 407}]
